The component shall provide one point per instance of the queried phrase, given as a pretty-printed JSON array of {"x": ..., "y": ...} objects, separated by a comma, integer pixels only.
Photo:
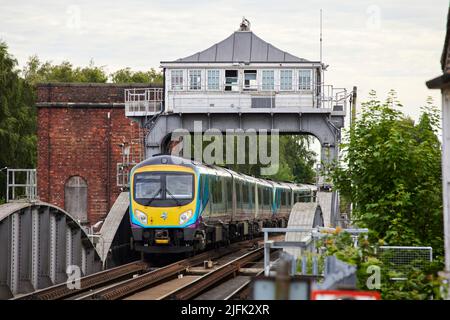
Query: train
[{"x": 184, "y": 206}]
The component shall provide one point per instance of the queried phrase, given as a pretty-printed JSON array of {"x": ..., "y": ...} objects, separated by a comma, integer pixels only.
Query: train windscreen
[
  {"x": 163, "y": 188},
  {"x": 180, "y": 185}
]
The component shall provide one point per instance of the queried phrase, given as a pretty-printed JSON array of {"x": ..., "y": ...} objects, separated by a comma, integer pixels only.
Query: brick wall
[{"x": 80, "y": 129}]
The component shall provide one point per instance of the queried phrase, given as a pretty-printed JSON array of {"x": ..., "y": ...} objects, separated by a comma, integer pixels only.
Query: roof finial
[{"x": 245, "y": 25}]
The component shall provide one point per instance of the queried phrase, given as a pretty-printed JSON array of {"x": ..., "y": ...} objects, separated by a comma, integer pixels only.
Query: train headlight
[
  {"x": 185, "y": 216},
  {"x": 142, "y": 217}
]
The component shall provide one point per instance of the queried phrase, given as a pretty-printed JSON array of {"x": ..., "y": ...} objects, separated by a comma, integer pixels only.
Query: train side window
[
  {"x": 238, "y": 192},
  {"x": 229, "y": 190},
  {"x": 283, "y": 198},
  {"x": 306, "y": 196},
  {"x": 245, "y": 194},
  {"x": 270, "y": 197},
  {"x": 217, "y": 192},
  {"x": 266, "y": 197}
]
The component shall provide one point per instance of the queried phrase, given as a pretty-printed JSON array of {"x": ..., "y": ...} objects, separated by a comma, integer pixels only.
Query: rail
[
  {"x": 201, "y": 284},
  {"x": 143, "y": 101},
  {"x": 62, "y": 290},
  {"x": 130, "y": 286},
  {"x": 258, "y": 97}
]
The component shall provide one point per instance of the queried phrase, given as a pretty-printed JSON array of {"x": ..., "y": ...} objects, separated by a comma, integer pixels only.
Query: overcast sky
[{"x": 378, "y": 44}]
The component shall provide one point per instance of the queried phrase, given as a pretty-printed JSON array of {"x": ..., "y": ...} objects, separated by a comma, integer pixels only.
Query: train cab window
[
  {"x": 162, "y": 189},
  {"x": 147, "y": 186},
  {"x": 179, "y": 186}
]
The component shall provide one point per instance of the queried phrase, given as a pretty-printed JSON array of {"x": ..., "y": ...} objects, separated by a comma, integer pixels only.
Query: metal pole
[
  {"x": 446, "y": 175},
  {"x": 353, "y": 115},
  {"x": 7, "y": 185}
]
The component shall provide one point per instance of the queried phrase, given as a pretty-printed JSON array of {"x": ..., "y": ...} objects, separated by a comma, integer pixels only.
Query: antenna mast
[{"x": 320, "y": 35}]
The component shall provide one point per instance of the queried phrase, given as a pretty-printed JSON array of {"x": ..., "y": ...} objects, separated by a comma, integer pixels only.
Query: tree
[
  {"x": 299, "y": 157},
  {"x": 127, "y": 76},
  {"x": 391, "y": 172},
  {"x": 17, "y": 119},
  {"x": 35, "y": 71}
]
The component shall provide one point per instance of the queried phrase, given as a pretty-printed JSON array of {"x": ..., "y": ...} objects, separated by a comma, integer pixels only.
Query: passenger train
[{"x": 179, "y": 205}]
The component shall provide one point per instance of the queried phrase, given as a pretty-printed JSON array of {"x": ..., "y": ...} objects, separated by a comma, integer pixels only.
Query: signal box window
[
  {"x": 250, "y": 83},
  {"x": 176, "y": 79},
  {"x": 231, "y": 80}
]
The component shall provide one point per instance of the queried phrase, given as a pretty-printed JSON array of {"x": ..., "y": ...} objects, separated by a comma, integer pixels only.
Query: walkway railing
[
  {"x": 21, "y": 184},
  {"x": 259, "y": 97},
  {"x": 143, "y": 101},
  {"x": 308, "y": 242}
]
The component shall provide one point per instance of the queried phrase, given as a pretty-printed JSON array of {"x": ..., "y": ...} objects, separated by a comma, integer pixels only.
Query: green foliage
[
  {"x": 35, "y": 71},
  {"x": 17, "y": 119},
  {"x": 127, "y": 76},
  {"x": 296, "y": 161},
  {"x": 391, "y": 172},
  {"x": 420, "y": 284}
]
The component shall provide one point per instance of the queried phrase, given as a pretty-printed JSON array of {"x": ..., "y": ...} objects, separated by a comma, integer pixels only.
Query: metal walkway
[{"x": 38, "y": 241}]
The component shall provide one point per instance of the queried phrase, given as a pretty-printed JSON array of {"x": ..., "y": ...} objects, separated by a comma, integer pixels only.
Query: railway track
[
  {"x": 174, "y": 281},
  {"x": 164, "y": 274},
  {"x": 193, "y": 289},
  {"x": 243, "y": 291},
  {"x": 62, "y": 291}
]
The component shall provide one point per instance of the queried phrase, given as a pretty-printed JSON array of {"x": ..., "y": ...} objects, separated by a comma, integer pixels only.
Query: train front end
[{"x": 163, "y": 206}]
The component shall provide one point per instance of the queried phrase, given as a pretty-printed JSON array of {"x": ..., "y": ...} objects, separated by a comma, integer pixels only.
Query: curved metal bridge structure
[{"x": 38, "y": 242}]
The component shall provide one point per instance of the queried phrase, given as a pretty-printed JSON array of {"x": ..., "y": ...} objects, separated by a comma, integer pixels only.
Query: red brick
[{"x": 79, "y": 139}]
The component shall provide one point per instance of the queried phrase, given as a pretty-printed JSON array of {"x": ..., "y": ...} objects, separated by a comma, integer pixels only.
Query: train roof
[{"x": 212, "y": 169}]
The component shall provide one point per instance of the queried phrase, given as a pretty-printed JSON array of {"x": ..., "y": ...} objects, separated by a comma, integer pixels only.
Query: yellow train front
[
  {"x": 164, "y": 205},
  {"x": 179, "y": 205}
]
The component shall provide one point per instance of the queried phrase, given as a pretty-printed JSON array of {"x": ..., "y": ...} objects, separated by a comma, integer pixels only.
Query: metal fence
[
  {"x": 143, "y": 101},
  {"x": 305, "y": 260},
  {"x": 21, "y": 184},
  {"x": 402, "y": 259}
]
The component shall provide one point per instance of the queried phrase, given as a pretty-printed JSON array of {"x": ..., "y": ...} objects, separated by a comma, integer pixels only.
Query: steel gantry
[{"x": 38, "y": 243}]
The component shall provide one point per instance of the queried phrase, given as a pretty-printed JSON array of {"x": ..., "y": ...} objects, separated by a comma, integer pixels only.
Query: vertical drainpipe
[
  {"x": 108, "y": 161},
  {"x": 163, "y": 106},
  {"x": 49, "y": 148}
]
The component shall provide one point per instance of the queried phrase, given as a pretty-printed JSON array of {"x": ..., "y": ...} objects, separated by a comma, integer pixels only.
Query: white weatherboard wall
[{"x": 185, "y": 98}]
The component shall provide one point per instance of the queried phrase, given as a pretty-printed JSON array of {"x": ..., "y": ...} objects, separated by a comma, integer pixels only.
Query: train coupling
[{"x": 162, "y": 237}]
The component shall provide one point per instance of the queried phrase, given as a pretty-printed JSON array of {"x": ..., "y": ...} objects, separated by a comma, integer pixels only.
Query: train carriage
[{"x": 180, "y": 205}]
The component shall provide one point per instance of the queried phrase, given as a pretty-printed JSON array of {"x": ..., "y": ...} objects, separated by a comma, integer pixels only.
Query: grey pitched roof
[
  {"x": 242, "y": 46},
  {"x": 443, "y": 81},
  {"x": 445, "y": 59}
]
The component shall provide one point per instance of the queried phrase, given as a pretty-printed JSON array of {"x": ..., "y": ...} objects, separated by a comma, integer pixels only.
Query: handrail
[{"x": 143, "y": 100}]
